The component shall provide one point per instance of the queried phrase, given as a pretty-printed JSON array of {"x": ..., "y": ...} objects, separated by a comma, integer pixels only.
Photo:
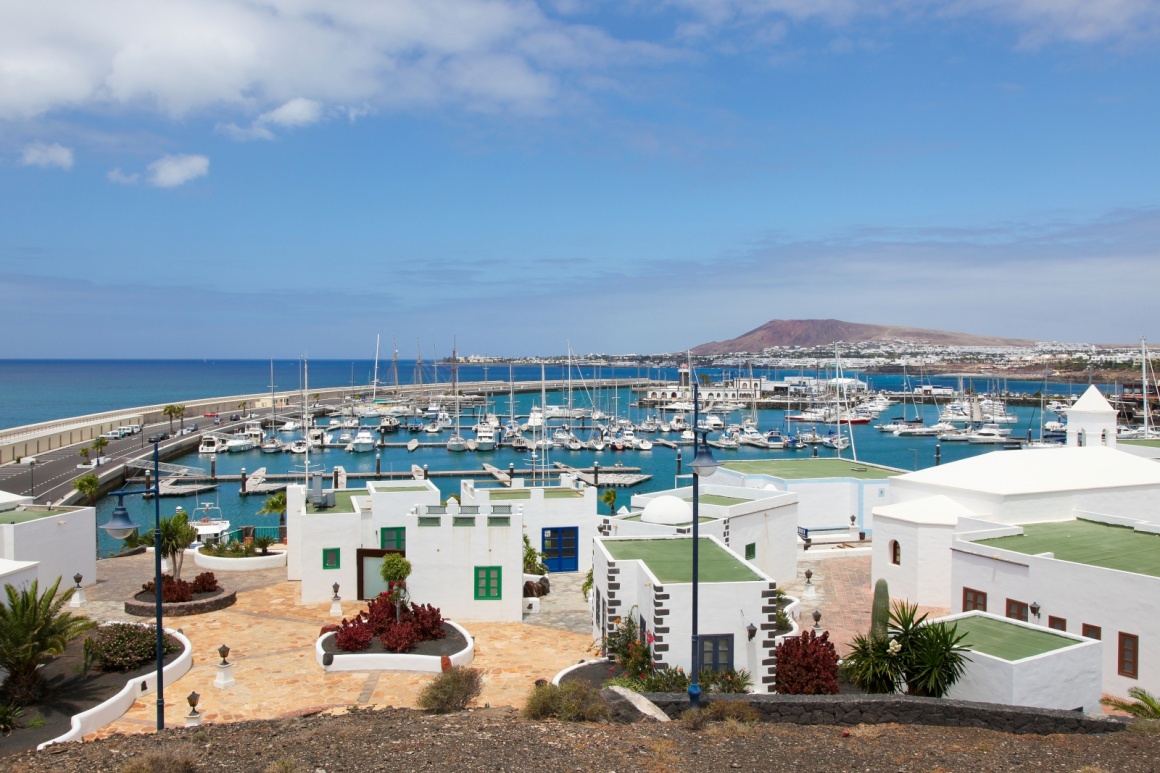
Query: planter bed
[
  {"x": 241, "y": 564},
  {"x": 69, "y": 695},
  {"x": 594, "y": 672},
  {"x": 426, "y": 657},
  {"x": 144, "y": 604}
]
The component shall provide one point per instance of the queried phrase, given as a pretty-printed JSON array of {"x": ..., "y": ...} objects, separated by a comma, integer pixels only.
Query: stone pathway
[
  {"x": 271, "y": 639},
  {"x": 840, "y": 589},
  {"x": 564, "y": 608}
]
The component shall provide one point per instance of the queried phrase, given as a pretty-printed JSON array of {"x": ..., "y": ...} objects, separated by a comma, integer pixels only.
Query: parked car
[
  {"x": 235, "y": 417},
  {"x": 111, "y": 435}
]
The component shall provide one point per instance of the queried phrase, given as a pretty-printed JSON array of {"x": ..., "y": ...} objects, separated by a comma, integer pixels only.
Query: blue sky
[{"x": 271, "y": 178}]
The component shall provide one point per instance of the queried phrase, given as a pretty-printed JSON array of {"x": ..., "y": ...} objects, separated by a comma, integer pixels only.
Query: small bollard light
[
  {"x": 817, "y": 620},
  {"x": 193, "y": 718},
  {"x": 335, "y": 602},
  {"x": 77, "y": 579},
  {"x": 78, "y": 596},
  {"x": 335, "y": 589},
  {"x": 809, "y": 574},
  {"x": 225, "y": 671},
  {"x": 224, "y": 651}
]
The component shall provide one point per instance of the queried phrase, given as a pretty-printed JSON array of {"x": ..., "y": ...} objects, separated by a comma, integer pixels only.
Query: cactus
[{"x": 880, "y": 612}]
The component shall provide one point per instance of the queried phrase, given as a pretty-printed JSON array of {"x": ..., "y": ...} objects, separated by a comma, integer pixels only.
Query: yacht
[
  {"x": 834, "y": 440},
  {"x": 932, "y": 430},
  {"x": 298, "y": 446},
  {"x": 596, "y": 441},
  {"x": 210, "y": 525},
  {"x": 535, "y": 418},
  {"x": 363, "y": 441},
  {"x": 254, "y": 430},
  {"x": 728, "y": 440},
  {"x": 212, "y": 444},
  {"x": 989, "y": 435},
  {"x": 414, "y": 424},
  {"x": 318, "y": 437},
  {"x": 389, "y": 424},
  {"x": 774, "y": 439},
  {"x": 240, "y": 442},
  {"x": 750, "y": 436},
  {"x": 290, "y": 426},
  {"x": 712, "y": 422},
  {"x": 272, "y": 445},
  {"x": 485, "y": 438}
]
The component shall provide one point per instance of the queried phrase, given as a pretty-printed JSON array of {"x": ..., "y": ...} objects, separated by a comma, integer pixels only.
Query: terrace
[
  {"x": 526, "y": 493},
  {"x": 31, "y": 513},
  {"x": 671, "y": 560},
  {"x": 802, "y": 469},
  {"x": 1007, "y": 641},
  {"x": 1087, "y": 542},
  {"x": 343, "y": 502}
]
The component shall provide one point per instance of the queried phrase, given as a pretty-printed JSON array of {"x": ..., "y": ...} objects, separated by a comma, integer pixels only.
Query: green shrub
[
  {"x": 124, "y": 647},
  {"x": 725, "y": 681},
  {"x": 533, "y": 559},
  {"x": 573, "y": 701},
  {"x": 10, "y": 715},
  {"x": 452, "y": 690},
  {"x": 738, "y": 711},
  {"x": 667, "y": 679},
  {"x": 263, "y": 544}
]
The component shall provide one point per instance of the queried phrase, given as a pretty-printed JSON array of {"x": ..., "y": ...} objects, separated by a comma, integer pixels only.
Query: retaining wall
[{"x": 903, "y": 709}]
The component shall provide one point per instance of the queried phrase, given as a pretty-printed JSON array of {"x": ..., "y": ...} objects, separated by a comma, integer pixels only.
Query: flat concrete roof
[
  {"x": 393, "y": 489},
  {"x": 1087, "y": 542},
  {"x": 1007, "y": 641},
  {"x": 671, "y": 560},
  {"x": 526, "y": 493},
  {"x": 799, "y": 469},
  {"x": 718, "y": 499},
  {"x": 1139, "y": 442},
  {"x": 342, "y": 502},
  {"x": 23, "y": 516}
]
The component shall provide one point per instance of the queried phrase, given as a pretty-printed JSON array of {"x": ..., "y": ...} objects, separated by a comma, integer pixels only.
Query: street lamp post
[
  {"x": 32, "y": 480},
  {"x": 121, "y": 526},
  {"x": 703, "y": 465}
]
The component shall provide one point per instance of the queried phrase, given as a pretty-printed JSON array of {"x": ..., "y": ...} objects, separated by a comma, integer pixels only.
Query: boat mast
[
  {"x": 1144, "y": 380},
  {"x": 375, "y": 378},
  {"x": 395, "y": 364}
]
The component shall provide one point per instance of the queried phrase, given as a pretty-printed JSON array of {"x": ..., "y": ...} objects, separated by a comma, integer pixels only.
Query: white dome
[{"x": 667, "y": 509}]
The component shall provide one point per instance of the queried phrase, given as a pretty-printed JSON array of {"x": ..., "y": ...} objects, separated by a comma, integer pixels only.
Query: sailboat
[
  {"x": 456, "y": 442},
  {"x": 271, "y": 444}
]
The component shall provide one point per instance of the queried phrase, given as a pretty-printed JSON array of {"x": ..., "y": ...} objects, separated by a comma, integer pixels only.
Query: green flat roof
[
  {"x": 671, "y": 560},
  {"x": 1007, "y": 641},
  {"x": 718, "y": 499},
  {"x": 797, "y": 469},
  {"x": 526, "y": 493},
  {"x": 342, "y": 502},
  {"x": 1140, "y": 442},
  {"x": 24, "y": 516},
  {"x": 392, "y": 489},
  {"x": 1087, "y": 542}
]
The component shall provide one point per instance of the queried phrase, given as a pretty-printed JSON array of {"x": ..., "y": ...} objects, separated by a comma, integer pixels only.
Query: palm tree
[
  {"x": 609, "y": 498},
  {"x": 1145, "y": 705},
  {"x": 176, "y": 535},
  {"x": 84, "y": 452},
  {"x": 275, "y": 504},
  {"x": 88, "y": 486},
  {"x": 172, "y": 410},
  {"x": 33, "y": 629},
  {"x": 180, "y": 415},
  {"x": 98, "y": 446}
]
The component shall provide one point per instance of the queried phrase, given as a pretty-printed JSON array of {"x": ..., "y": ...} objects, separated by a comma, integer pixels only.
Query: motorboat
[
  {"x": 712, "y": 422},
  {"x": 727, "y": 440},
  {"x": 485, "y": 438},
  {"x": 389, "y": 424},
  {"x": 254, "y": 430},
  {"x": 212, "y": 444},
  {"x": 290, "y": 426},
  {"x": 535, "y": 418},
  {"x": 932, "y": 430},
  {"x": 988, "y": 435},
  {"x": 210, "y": 525},
  {"x": 240, "y": 442},
  {"x": 678, "y": 423},
  {"x": 750, "y": 436},
  {"x": 363, "y": 441},
  {"x": 774, "y": 439}
]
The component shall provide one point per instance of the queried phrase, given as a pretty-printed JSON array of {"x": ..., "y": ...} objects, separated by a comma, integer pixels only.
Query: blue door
[{"x": 560, "y": 549}]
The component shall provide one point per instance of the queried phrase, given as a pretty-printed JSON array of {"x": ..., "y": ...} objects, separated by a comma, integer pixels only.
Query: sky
[{"x": 271, "y": 178}]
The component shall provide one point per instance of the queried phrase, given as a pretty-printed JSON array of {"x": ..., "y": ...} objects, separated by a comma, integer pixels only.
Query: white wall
[
  {"x": 443, "y": 560},
  {"x": 327, "y": 530},
  {"x": 1064, "y": 679},
  {"x": 62, "y": 543},
  {"x": 1113, "y": 600},
  {"x": 18, "y": 574},
  {"x": 774, "y": 533},
  {"x": 923, "y": 575},
  {"x": 826, "y": 502}
]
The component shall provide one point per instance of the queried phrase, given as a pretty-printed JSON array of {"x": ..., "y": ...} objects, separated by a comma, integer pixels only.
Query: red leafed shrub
[
  {"x": 807, "y": 665},
  {"x": 354, "y": 635},
  {"x": 380, "y": 613},
  {"x": 205, "y": 583},
  {"x": 428, "y": 621},
  {"x": 400, "y": 637},
  {"x": 172, "y": 591}
]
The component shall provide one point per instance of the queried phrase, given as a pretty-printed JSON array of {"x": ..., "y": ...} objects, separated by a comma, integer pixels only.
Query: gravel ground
[{"x": 498, "y": 740}]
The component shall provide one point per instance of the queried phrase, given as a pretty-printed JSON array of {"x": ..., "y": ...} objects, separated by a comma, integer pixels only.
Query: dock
[
  {"x": 610, "y": 477},
  {"x": 256, "y": 485},
  {"x": 171, "y": 487},
  {"x": 499, "y": 475}
]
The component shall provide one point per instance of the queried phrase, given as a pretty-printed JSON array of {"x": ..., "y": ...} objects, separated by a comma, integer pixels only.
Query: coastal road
[{"x": 52, "y": 476}]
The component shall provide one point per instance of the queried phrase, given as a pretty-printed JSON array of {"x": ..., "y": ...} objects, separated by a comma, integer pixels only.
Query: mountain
[{"x": 821, "y": 332}]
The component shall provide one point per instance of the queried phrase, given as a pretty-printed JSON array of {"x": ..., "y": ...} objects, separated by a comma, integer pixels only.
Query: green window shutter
[
  {"x": 331, "y": 558},
  {"x": 488, "y": 583},
  {"x": 393, "y": 538},
  {"x": 751, "y": 551}
]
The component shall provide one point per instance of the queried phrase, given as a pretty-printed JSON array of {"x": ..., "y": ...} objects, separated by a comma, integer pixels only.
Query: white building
[
  {"x": 61, "y": 541},
  {"x": 651, "y": 579},
  {"x": 1065, "y": 536},
  {"x": 560, "y": 521},
  {"x": 758, "y": 524}
]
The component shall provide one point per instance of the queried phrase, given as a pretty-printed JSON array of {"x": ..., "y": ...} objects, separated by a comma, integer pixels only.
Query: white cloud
[
  {"x": 289, "y": 60},
  {"x": 121, "y": 178},
  {"x": 297, "y": 112},
  {"x": 171, "y": 171},
  {"x": 47, "y": 156}
]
